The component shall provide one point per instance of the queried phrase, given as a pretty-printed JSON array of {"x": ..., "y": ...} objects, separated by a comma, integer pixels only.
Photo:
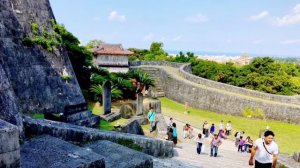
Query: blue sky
[{"x": 269, "y": 27}]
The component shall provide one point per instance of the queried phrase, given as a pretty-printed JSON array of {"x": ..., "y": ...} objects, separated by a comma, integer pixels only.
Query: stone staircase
[
  {"x": 158, "y": 90},
  {"x": 50, "y": 152}
]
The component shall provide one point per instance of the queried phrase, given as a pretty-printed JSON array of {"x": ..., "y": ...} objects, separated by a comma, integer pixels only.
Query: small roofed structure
[{"x": 112, "y": 57}]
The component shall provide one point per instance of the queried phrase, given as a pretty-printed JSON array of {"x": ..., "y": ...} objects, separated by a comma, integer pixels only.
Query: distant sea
[{"x": 228, "y": 54}]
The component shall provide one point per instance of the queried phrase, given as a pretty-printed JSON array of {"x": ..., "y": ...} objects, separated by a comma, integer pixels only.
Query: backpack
[{"x": 236, "y": 134}]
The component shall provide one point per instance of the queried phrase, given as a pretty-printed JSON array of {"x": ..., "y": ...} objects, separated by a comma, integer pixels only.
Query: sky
[{"x": 266, "y": 28}]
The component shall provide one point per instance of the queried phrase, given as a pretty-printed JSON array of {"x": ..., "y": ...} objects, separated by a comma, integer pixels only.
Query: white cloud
[
  {"x": 177, "y": 38},
  {"x": 149, "y": 37},
  {"x": 290, "y": 19},
  {"x": 260, "y": 16},
  {"x": 199, "y": 18},
  {"x": 114, "y": 16},
  {"x": 292, "y": 41}
]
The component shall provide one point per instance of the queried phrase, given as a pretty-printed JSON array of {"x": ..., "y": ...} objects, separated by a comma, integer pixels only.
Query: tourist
[
  {"x": 221, "y": 126},
  {"x": 215, "y": 143},
  {"x": 185, "y": 130},
  {"x": 247, "y": 143},
  {"x": 237, "y": 136},
  {"x": 170, "y": 134},
  {"x": 190, "y": 131},
  {"x": 228, "y": 128},
  {"x": 241, "y": 144},
  {"x": 199, "y": 141},
  {"x": 222, "y": 134},
  {"x": 170, "y": 122},
  {"x": 151, "y": 118},
  {"x": 174, "y": 137},
  {"x": 205, "y": 128},
  {"x": 212, "y": 129},
  {"x": 264, "y": 152}
]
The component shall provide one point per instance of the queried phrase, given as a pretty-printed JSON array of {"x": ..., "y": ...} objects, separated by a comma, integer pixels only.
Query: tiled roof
[{"x": 110, "y": 49}]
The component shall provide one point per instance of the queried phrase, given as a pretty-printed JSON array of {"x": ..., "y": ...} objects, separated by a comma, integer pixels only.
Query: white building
[{"x": 112, "y": 57}]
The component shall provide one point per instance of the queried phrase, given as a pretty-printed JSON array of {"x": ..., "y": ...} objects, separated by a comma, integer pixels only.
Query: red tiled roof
[{"x": 110, "y": 49}]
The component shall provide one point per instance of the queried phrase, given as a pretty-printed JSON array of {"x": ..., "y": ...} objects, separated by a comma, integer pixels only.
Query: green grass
[
  {"x": 286, "y": 135},
  {"x": 104, "y": 125},
  {"x": 38, "y": 116},
  {"x": 95, "y": 108}
]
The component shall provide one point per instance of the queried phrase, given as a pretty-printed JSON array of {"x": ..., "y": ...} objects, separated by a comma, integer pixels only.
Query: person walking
[
  {"x": 215, "y": 144},
  {"x": 264, "y": 152},
  {"x": 212, "y": 129},
  {"x": 241, "y": 144},
  {"x": 199, "y": 141},
  {"x": 228, "y": 128},
  {"x": 174, "y": 136},
  {"x": 151, "y": 118},
  {"x": 185, "y": 130},
  {"x": 221, "y": 126},
  {"x": 205, "y": 128}
]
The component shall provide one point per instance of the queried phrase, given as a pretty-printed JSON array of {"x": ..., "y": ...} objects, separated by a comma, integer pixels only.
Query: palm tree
[{"x": 98, "y": 91}]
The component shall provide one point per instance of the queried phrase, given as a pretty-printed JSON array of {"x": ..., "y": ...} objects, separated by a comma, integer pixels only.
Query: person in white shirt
[
  {"x": 228, "y": 128},
  {"x": 199, "y": 141},
  {"x": 264, "y": 152}
]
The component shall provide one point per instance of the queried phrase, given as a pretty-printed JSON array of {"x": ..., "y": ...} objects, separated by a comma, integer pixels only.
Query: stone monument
[
  {"x": 139, "y": 104},
  {"x": 106, "y": 97}
]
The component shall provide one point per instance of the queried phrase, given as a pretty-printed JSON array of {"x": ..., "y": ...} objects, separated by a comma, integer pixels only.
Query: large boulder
[
  {"x": 126, "y": 111},
  {"x": 133, "y": 127}
]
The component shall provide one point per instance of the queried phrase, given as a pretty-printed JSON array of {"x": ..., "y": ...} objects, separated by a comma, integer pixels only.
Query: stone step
[
  {"x": 47, "y": 151},
  {"x": 92, "y": 121},
  {"x": 111, "y": 116},
  {"x": 116, "y": 155},
  {"x": 78, "y": 116},
  {"x": 160, "y": 94}
]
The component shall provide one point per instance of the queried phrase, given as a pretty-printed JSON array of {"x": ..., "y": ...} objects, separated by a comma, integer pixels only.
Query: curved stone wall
[
  {"x": 185, "y": 71},
  {"x": 221, "y": 100}
]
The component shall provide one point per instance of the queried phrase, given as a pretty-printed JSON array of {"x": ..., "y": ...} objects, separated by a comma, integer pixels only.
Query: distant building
[{"x": 112, "y": 57}]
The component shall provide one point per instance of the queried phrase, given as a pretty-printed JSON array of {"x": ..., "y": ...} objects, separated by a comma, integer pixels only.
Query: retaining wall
[{"x": 69, "y": 132}]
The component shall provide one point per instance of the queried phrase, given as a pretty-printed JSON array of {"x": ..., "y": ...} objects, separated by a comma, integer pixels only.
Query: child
[
  {"x": 199, "y": 141},
  {"x": 241, "y": 144},
  {"x": 185, "y": 130}
]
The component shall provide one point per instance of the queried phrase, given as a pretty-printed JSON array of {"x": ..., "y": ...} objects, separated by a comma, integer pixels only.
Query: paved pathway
[{"x": 185, "y": 151}]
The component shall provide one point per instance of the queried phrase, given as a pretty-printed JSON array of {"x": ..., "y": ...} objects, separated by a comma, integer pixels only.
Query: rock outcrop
[{"x": 31, "y": 77}]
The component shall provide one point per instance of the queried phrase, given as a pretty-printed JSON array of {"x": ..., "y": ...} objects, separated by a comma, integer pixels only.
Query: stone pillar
[
  {"x": 106, "y": 97},
  {"x": 139, "y": 104},
  {"x": 9, "y": 146}
]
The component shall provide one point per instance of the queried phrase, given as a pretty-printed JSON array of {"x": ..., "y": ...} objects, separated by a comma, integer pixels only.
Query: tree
[{"x": 94, "y": 43}]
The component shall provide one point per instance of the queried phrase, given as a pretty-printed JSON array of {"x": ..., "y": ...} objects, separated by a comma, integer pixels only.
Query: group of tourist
[{"x": 263, "y": 151}]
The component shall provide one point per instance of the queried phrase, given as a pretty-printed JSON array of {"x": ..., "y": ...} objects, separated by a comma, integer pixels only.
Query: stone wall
[
  {"x": 34, "y": 73},
  {"x": 185, "y": 71},
  {"x": 69, "y": 132},
  {"x": 209, "y": 98},
  {"x": 10, "y": 150}
]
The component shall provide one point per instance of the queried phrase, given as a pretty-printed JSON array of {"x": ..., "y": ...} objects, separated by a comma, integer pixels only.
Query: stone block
[
  {"x": 78, "y": 116},
  {"x": 111, "y": 116},
  {"x": 47, "y": 151},
  {"x": 116, "y": 155},
  {"x": 88, "y": 122},
  {"x": 140, "y": 119},
  {"x": 9, "y": 137},
  {"x": 10, "y": 159},
  {"x": 133, "y": 127}
]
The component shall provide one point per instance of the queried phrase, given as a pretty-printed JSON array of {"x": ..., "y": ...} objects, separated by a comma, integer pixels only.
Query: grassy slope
[{"x": 287, "y": 135}]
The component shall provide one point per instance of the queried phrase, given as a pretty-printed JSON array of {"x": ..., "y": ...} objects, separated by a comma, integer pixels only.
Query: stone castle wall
[
  {"x": 34, "y": 74},
  {"x": 209, "y": 98}
]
